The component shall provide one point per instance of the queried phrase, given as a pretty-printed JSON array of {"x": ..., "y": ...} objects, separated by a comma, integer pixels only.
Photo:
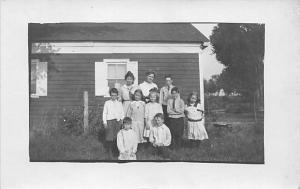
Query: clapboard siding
[{"x": 69, "y": 75}]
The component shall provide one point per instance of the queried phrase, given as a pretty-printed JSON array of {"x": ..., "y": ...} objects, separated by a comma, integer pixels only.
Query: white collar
[
  {"x": 148, "y": 83},
  {"x": 162, "y": 126},
  {"x": 128, "y": 87},
  {"x": 177, "y": 98}
]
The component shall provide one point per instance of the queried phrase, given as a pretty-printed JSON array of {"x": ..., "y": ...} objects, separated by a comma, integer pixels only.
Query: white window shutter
[
  {"x": 41, "y": 79},
  {"x": 101, "y": 83},
  {"x": 34, "y": 64},
  {"x": 133, "y": 67}
]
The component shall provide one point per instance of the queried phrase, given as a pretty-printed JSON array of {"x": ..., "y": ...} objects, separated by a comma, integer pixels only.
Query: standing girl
[
  {"x": 127, "y": 90},
  {"x": 151, "y": 109},
  {"x": 136, "y": 112},
  {"x": 195, "y": 127}
]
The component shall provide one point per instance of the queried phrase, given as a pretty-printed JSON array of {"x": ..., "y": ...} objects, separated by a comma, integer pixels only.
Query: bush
[
  {"x": 71, "y": 120},
  {"x": 95, "y": 121}
]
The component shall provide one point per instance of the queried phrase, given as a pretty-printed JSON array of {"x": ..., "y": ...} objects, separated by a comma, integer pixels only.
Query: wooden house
[{"x": 67, "y": 59}]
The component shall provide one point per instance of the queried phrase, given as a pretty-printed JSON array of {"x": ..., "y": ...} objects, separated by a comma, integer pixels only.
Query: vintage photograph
[{"x": 127, "y": 92}]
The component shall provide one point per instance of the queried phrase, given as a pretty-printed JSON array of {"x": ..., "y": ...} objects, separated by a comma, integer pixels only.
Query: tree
[
  {"x": 211, "y": 86},
  {"x": 240, "y": 48},
  {"x": 226, "y": 82}
]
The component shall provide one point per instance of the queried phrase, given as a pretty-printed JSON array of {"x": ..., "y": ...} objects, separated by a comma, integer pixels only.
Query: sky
[{"x": 211, "y": 65}]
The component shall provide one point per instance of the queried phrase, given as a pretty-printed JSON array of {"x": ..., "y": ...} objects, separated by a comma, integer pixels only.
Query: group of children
[{"x": 132, "y": 120}]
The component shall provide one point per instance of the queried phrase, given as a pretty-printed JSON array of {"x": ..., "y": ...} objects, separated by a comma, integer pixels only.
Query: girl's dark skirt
[{"x": 112, "y": 129}]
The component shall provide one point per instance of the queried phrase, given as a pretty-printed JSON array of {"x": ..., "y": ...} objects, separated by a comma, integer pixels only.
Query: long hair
[
  {"x": 138, "y": 91},
  {"x": 189, "y": 99},
  {"x": 154, "y": 91}
]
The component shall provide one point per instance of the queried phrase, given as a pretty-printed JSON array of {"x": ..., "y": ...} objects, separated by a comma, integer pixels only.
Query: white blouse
[
  {"x": 145, "y": 87},
  {"x": 112, "y": 110},
  {"x": 127, "y": 141},
  {"x": 165, "y": 94},
  {"x": 136, "y": 110},
  {"x": 126, "y": 90},
  {"x": 193, "y": 112},
  {"x": 160, "y": 134},
  {"x": 151, "y": 109}
]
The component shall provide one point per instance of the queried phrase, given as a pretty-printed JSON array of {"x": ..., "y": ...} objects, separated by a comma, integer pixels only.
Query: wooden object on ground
[{"x": 221, "y": 125}]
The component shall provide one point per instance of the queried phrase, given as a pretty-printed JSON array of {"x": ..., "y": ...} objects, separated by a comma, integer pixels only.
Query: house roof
[{"x": 116, "y": 32}]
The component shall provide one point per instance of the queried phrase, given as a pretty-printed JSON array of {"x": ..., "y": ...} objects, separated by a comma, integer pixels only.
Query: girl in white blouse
[
  {"x": 194, "y": 113},
  {"x": 151, "y": 109},
  {"x": 127, "y": 141},
  {"x": 136, "y": 111}
]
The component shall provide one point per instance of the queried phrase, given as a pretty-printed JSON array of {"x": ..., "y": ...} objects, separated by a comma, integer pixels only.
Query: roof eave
[{"x": 119, "y": 41}]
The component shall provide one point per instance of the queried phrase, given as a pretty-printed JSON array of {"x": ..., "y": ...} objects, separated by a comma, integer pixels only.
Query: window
[
  {"x": 111, "y": 72},
  {"x": 38, "y": 82},
  {"x": 115, "y": 74}
]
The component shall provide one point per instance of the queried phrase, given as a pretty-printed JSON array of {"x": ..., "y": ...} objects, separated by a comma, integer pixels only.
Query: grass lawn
[{"x": 242, "y": 143}]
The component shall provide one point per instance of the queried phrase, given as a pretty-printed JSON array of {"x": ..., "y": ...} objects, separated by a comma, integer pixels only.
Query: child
[
  {"x": 127, "y": 141},
  {"x": 136, "y": 112},
  {"x": 151, "y": 109},
  {"x": 176, "y": 114},
  {"x": 195, "y": 127},
  {"x": 165, "y": 95},
  {"x": 160, "y": 136},
  {"x": 112, "y": 119}
]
